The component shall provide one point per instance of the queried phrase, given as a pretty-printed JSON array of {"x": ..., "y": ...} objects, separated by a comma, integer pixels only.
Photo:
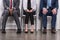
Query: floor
[{"x": 11, "y": 35}]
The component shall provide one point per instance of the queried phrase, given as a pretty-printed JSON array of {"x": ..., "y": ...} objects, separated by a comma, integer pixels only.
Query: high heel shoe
[
  {"x": 26, "y": 31},
  {"x": 32, "y": 31}
]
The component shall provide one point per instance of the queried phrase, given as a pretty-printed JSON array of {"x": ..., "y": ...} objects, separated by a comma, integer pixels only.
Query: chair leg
[{"x": 41, "y": 24}]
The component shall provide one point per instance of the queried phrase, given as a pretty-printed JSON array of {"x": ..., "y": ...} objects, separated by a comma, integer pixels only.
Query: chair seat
[{"x": 47, "y": 15}]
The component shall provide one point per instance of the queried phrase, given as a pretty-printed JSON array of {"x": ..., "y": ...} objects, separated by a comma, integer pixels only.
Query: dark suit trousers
[
  {"x": 53, "y": 21},
  {"x": 29, "y": 15},
  {"x": 5, "y": 17}
]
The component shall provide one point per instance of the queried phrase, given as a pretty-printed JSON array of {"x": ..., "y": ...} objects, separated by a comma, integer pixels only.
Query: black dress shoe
[
  {"x": 44, "y": 31},
  {"x": 18, "y": 31},
  {"x": 3, "y": 31},
  {"x": 53, "y": 31}
]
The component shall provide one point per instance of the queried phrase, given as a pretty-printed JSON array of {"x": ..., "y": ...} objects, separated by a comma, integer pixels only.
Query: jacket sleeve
[
  {"x": 4, "y": 4},
  {"x": 41, "y": 5},
  {"x": 40, "y": 8},
  {"x": 17, "y": 4},
  {"x": 56, "y": 5}
]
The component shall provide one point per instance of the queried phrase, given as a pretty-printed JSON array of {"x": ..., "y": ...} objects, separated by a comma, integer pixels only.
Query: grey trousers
[{"x": 5, "y": 17}]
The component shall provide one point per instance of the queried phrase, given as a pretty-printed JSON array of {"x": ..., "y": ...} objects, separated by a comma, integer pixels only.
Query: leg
[
  {"x": 44, "y": 22},
  {"x": 32, "y": 22},
  {"x": 53, "y": 23},
  {"x": 26, "y": 22},
  {"x": 15, "y": 15},
  {"x": 5, "y": 16}
]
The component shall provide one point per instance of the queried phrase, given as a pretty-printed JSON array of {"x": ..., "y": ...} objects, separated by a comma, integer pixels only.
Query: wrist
[
  {"x": 44, "y": 8},
  {"x": 14, "y": 8}
]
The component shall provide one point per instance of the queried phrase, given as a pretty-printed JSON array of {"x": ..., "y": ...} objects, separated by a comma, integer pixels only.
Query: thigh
[
  {"x": 31, "y": 17},
  {"x": 14, "y": 14},
  {"x": 5, "y": 16},
  {"x": 5, "y": 12},
  {"x": 27, "y": 15},
  {"x": 26, "y": 18}
]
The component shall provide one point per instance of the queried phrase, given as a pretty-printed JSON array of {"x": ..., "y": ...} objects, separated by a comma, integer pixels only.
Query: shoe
[
  {"x": 26, "y": 31},
  {"x": 53, "y": 31},
  {"x": 44, "y": 31},
  {"x": 32, "y": 31},
  {"x": 18, "y": 31},
  {"x": 3, "y": 31}
]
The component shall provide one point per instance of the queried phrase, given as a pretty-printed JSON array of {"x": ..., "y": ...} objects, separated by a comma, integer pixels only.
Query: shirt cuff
[
  {"x": 44, "y": 8},
  {"x": 14, "y": 8},
  {"x": 7, "y": 7},
  {"x": 55, "y": 8}
]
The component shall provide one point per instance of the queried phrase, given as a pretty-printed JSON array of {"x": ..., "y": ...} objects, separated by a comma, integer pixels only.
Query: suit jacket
[
  {"x": 43, "y": 4},
  {"x": 16, "y": 3}
]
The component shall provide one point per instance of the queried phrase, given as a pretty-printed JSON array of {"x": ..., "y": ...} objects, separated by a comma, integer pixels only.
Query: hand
[
  {"x": 44, "y": 11},
  {"x": 27, "y": 10},
  {"x": 54, "y": 11},
  {"x": 30, "y": 10},
  {"x": 10, "y": 10}
]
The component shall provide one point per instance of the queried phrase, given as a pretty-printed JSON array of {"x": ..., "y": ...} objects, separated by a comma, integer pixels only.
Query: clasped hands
[
  {"x": 44, "y": 11},
  {"x": 29, "y": 10},
  {"x": 10, "y": 10}
]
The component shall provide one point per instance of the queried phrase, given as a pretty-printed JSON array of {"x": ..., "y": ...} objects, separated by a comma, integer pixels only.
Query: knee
[
  {"x": 5, "y": 13},
  {"x": 14, "y": 11},
  {"x": 54, "y": 14},
  {"x": 44, "y": 15}
]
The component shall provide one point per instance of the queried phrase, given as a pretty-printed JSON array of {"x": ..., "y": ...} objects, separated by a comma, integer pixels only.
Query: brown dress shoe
[
  {"x": 53, "y": 31},
  {"x": 44, "y": 31}
]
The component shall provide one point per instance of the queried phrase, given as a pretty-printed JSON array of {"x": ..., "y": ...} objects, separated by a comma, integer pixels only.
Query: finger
[{"x": 44, "y": 12}]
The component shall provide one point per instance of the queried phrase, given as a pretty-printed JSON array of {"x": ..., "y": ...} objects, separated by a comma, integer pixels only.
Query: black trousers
[
  {"x": 5, "y": 17},
  {"x": 29, "y": 15}
]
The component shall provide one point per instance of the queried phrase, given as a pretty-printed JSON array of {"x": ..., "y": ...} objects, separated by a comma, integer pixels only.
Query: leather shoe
[
  {"x": 3, "y": 31},
  {"x": 53, "y": 31},
  {"x": 18, "y": 31},
  {"x": 44, "y": 31}
]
